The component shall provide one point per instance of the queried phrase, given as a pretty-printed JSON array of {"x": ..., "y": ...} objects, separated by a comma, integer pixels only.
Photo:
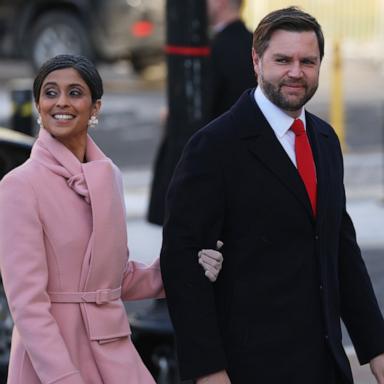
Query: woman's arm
[{"x": 144, "y": 281}]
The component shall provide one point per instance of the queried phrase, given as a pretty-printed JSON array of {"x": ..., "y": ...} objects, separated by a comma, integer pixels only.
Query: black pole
[
  {"x": 187, "y": 54},
  {"x": 187, "y": 65}
]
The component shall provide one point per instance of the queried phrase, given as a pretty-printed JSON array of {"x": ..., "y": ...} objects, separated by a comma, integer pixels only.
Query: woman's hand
[{"x": 211, "y": 260}]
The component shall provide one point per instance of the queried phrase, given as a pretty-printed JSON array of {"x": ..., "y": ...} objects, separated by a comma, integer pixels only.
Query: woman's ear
[{"x": 96, "y": 107}]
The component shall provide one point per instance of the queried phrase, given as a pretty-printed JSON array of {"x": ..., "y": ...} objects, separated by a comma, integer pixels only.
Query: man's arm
[
  {"x": 359, "y": 308},
  {"x": 194, "y": 218}
]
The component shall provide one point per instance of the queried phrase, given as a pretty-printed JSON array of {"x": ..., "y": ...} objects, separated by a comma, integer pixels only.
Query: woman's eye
[
  {"x": 50, "y": 93},
  {"x": 75, "y": 92}
]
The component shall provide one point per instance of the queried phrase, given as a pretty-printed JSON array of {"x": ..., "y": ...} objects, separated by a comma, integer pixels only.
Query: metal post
[
  {"x": 187, "y": 51},
  {"x": 187, "y": 90},
  {"x": 337, "y": 101}
]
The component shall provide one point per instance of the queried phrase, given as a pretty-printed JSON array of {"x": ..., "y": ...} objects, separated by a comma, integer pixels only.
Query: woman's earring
[
  {"x": 39, "y": 121},
  {"x": 92, "y": 122}
]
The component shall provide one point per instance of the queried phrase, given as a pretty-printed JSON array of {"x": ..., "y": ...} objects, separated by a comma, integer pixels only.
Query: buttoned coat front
[
  {"x": 65, "y": 269},
  {"x": 273, "y": 315}
]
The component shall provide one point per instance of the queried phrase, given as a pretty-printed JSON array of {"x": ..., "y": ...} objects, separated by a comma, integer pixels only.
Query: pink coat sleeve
[
  {"x": 142, "y": 281},
  {"x": 25, "y": 275}
]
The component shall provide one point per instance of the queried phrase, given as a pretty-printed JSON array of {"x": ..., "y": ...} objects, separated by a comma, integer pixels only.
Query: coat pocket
[{"x": 106, "y": 322}]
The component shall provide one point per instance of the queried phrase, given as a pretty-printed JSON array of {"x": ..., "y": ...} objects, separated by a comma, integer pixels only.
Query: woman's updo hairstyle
[{"x": 81, "y": 64}]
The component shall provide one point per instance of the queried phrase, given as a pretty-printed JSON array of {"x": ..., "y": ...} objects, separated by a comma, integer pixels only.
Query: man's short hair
[{"x": 287, "y": 19}]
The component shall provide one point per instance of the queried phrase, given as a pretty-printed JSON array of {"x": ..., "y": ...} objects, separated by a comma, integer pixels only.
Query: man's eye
[{"x": 282, "y": 61}]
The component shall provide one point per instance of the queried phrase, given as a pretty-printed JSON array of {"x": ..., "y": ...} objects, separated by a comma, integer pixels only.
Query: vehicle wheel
[
  {"x": 6, "y": 325},
  {"x": 55, "y": 33},
  {"x": 138, "y": 64}
]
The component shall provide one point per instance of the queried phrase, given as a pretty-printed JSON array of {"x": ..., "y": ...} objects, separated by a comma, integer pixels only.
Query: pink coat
[{"x": 65, "y": 269}]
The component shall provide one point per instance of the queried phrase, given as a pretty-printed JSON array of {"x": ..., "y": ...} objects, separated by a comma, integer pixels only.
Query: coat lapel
[
  {"x": 109, "y": 227},
  {"x": 318, "y": 138},
  {"x": 263, "y": 144}
]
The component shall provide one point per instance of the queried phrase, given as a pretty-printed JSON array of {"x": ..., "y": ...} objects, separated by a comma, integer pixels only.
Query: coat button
[
  {"x": 326, "y": 337},
  {"x": 321, "y": 287},
  {"x": 316, "y": 237}
]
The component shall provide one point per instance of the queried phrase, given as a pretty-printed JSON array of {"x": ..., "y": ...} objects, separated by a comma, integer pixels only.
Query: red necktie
[{"x": 305, "y": 162}]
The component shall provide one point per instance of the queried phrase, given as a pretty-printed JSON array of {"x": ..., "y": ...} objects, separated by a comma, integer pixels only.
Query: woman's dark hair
[
  {"x": 287, "y": 19},
  {"x": 81, "y": 64}
]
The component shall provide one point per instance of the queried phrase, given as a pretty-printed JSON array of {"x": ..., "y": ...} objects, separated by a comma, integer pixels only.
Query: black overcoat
[
  {"x": 231, "y": 67},
  {"x": 274, "y": 314}
]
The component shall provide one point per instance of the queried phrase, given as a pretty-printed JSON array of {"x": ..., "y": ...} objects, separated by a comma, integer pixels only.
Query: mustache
[{"x": 294, "y": 83}]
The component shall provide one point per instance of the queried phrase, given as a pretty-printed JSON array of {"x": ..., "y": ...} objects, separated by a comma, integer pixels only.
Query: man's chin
[{"x": 292, "y": 103}]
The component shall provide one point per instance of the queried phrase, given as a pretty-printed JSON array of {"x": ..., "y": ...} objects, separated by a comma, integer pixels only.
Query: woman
[{"x": 63, "y": 245}]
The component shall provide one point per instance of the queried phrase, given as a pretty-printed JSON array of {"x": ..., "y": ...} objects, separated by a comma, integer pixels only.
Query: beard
[{"x": 275, "y": 95}]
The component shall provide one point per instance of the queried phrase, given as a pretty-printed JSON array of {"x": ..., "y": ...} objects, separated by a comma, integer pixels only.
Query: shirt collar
[{"x": 277, "y": 119}]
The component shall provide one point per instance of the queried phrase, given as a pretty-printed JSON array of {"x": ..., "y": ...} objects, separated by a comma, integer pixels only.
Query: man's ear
[{"x": 256, "y": 61}]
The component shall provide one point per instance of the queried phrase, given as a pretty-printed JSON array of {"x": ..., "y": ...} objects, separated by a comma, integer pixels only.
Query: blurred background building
[{"x": 359, "y": 24}]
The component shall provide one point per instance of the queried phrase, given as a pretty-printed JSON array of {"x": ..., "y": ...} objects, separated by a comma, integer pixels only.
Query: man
[
  {"x": 292, "y": 267},
  {"x": 231, "y": 61}
]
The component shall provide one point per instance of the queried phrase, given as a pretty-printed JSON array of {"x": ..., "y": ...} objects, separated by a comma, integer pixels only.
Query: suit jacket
[
  {"x": 231, "y": 68},
  {"x": 65, "y": 269},
  {"x": 274, "y": 314}
]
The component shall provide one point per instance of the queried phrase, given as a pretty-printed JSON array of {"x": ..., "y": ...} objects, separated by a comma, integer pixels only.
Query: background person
[
  {"x": 63, "y": 245},
  {"x": 267, "y": 178},
  {"x": 231, "y": 70}
]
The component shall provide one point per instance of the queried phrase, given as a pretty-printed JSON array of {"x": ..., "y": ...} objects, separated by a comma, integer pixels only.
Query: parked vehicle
[
  {"x": 15, "y": 148},
  {"x": 100, "y": 29}
]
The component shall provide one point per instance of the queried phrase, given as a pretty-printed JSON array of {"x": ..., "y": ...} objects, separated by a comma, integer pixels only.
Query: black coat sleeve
[
  {"x": 194, "y": 218},
  {"x": 359, "y": 308}
]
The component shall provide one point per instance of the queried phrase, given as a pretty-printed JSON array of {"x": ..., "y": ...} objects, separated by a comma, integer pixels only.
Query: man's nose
[{"x": 295, "y": 70}]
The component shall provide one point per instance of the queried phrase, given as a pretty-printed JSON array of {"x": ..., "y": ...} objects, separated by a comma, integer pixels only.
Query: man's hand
[
  {"x": 377, "y": 368},
  {"x": 211, "y": 261},
  {"x": 214, "y": 378}
]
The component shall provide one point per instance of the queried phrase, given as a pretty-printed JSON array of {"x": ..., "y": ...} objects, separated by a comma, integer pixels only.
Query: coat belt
[{"x": 101, "y": 296}]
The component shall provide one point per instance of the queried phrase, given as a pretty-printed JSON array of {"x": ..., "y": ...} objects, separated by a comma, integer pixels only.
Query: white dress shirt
[{"x": 280, "y": 123}]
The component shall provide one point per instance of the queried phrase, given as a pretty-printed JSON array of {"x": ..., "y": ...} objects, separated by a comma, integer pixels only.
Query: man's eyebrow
[{"x": 286, "y": 56}]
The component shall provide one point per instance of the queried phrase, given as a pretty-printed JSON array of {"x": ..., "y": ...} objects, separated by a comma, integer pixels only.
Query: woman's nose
[{"x": 62, "y": 100}]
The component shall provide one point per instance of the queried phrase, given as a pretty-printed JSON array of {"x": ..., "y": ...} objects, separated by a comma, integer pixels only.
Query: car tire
[
  {"x": 58, "y": 32},
  {"x": 138, "y": 63}
]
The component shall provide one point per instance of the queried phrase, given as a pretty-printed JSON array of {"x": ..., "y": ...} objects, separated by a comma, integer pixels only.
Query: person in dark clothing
[
  {"x": 231, "y": 70},
  {"x": 266, "y": 178}
]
